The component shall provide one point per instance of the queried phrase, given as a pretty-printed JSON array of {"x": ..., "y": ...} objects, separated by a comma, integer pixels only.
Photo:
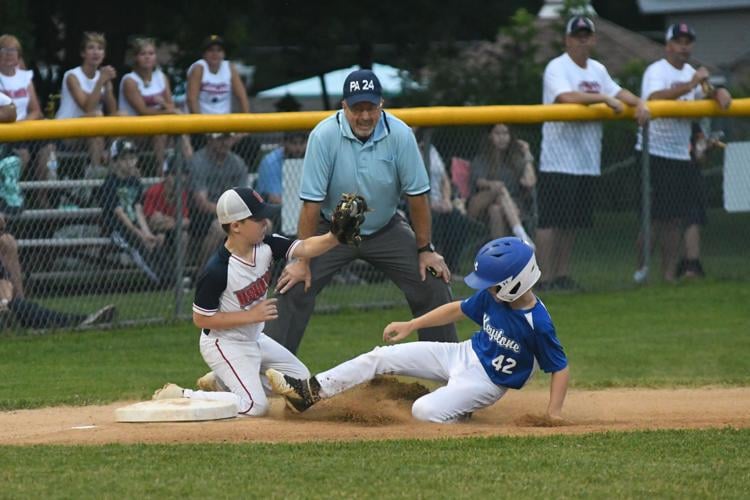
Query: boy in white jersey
[
  {"x": 516, "y": 334},
  {"x": 231, "y": 304}
]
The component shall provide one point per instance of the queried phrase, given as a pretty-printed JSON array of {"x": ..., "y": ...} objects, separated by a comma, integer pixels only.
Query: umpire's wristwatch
[{"x": 427, "y": 248}]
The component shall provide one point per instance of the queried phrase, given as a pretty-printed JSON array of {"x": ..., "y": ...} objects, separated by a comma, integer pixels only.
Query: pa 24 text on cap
[{"x": 366, "y": 85}]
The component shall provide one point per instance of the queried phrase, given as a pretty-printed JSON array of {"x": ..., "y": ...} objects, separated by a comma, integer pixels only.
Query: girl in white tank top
[
  {"x": 15, "y": 82},
  {"x": 145, "y": 90},
  {"x": 212, "y": 81},
  {"x": 87, "y": 90}
]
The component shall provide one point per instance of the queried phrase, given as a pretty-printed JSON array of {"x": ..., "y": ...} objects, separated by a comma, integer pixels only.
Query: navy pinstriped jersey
[
  {"x": 512, "y": 340},
  {"x": 229, "y": 283}
]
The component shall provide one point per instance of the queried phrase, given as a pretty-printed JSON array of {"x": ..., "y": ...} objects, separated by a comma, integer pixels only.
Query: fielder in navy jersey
[
  {"x": 516, "y": 335},
  {"x": 231, "y": 306}
]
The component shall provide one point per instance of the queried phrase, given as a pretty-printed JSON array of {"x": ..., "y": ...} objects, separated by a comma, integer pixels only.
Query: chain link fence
[{"x": 67, "y": 248}]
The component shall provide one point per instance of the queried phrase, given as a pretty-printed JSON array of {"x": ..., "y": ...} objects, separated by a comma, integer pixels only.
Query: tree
[{"x": 499, "y": 72}]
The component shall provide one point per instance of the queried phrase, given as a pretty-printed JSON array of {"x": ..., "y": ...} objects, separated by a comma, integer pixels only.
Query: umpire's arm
[{"x": 421, "y": 222}]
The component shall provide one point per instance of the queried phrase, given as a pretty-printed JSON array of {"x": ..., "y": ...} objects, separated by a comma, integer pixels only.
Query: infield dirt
[{"x": 381, "y": 410}]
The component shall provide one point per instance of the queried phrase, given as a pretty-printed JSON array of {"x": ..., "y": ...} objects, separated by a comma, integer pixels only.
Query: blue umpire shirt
[{"x": 382, "y": 169}]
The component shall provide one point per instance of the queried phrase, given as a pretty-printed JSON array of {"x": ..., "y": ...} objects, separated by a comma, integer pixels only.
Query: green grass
[
  {"x": 664, "y": 464},
  {"x": 687, "y": 335}
]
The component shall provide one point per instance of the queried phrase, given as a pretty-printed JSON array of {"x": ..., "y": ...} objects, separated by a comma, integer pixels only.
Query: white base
[{"x": 176, "y": 410}]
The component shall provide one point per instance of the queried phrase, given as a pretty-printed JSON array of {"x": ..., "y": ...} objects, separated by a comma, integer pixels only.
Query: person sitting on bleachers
[
  {"x": 160, "y": 209},
  {"x": 145, "y": 92},
  {"x": 25, "y": 312},
  {"x": 87, "y": 91},
  {"x": 213, "y": 170},
  {"x": 502, "y": 182},
  {"x": 17, "y": 83},
  {"x": 122, "y": 212}
]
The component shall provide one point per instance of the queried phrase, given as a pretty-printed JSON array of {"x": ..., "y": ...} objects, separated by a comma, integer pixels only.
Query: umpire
[{"x": 364, "y": 150}]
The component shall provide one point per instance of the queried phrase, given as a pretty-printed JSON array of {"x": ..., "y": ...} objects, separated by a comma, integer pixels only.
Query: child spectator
[
  {"x": 17, "y": 84},
  {"x": 145, "y": 91},
  {"x": 122, "y": 212},
  {"x": 87, "y": 91},
  {"x": 212, "y": 80},
  {"x": 160, "y": 209}
]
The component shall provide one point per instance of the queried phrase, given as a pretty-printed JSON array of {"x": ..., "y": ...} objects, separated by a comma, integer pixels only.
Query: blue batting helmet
[{"x": 507, "y": 263}]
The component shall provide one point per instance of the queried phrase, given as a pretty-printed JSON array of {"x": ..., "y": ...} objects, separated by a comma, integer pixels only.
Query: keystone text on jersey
[{"x": 498, "y": 335}]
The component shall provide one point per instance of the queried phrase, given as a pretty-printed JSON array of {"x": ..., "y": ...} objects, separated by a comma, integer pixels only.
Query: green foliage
[
  {"x": 504, "y": 71},
  {"x": 663, "y": 464}
]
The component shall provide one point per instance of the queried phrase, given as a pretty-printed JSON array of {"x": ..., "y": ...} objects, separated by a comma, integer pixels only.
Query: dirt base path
[{"x": 382, "y": 411}]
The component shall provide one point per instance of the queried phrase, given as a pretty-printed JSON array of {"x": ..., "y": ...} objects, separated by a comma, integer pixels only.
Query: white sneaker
[
  {"x": 641, "y": 275},
  {"x": 169, "y": 391},
  {"x": 104, "y": 315}
]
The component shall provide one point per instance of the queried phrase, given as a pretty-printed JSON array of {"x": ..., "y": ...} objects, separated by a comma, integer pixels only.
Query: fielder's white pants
[
  {"x": 241, "y": 367},
  {"x": 468, "y": 388}
]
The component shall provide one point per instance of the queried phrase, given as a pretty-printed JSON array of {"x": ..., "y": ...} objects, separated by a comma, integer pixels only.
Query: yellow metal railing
[{"x": 271, "y": 122}]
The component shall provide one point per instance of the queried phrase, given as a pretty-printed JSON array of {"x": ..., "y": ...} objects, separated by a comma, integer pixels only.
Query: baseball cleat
[
  {"x": 169, "y": 391},
  {"x": 209, "y": 382},
  {"x": 299, "y": 394}
]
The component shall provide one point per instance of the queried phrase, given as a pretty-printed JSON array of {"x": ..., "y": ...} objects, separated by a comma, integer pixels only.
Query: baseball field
[{"x": 659, "y": 406}]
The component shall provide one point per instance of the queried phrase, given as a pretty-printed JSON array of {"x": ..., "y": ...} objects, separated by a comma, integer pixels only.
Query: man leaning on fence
[
  {"x": 365, "y": 150},
  {"x": 676, "y": 183},
  {"x": 571, "y": 151}
]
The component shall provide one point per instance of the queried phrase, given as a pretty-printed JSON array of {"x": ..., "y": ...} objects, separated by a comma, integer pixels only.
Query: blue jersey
[{"x": 511, "y": 340}]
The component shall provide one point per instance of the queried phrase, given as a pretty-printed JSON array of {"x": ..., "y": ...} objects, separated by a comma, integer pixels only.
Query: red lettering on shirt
[
  {"x": 254, "y": 290},
  {"x": 16, "y": 94},
  {"x": 589, "y": 87}
]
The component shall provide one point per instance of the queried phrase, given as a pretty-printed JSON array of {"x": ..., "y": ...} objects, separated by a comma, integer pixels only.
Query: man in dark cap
[
  {"x": 677, "y": 196},
  {"x": 365, "y": 150}
]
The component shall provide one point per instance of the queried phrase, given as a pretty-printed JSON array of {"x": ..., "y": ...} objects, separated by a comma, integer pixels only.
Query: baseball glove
[{"x": 348, "y": 217}]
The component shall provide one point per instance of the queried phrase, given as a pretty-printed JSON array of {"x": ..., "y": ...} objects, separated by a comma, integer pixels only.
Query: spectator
[
  {"x": 270, "y": 176},
  {"x": 571, "y": 151},
  {"x": 17, "y": 84},
  {"x": 29, "y": 314},
  {"x": 145, "y": 91},
  {"x": 271, "y": 166},
  {"x": 212, "y": 81},
  {"x": 213, "y": 169},
  {"x": 502, "y": 183},
  {"x": 450, "y": 226},
  {"x": 363, "y": 149},
  {"x": 87, "y": 91},
  {"x": 7, "y": 109},
  {"x": 690, "y": 265},
  {"x": 122, "y": 212},
  {"x": 160, "y": 209},
  {"x": 11, "y": 197},
  {"x": 675, "y": 181}
]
